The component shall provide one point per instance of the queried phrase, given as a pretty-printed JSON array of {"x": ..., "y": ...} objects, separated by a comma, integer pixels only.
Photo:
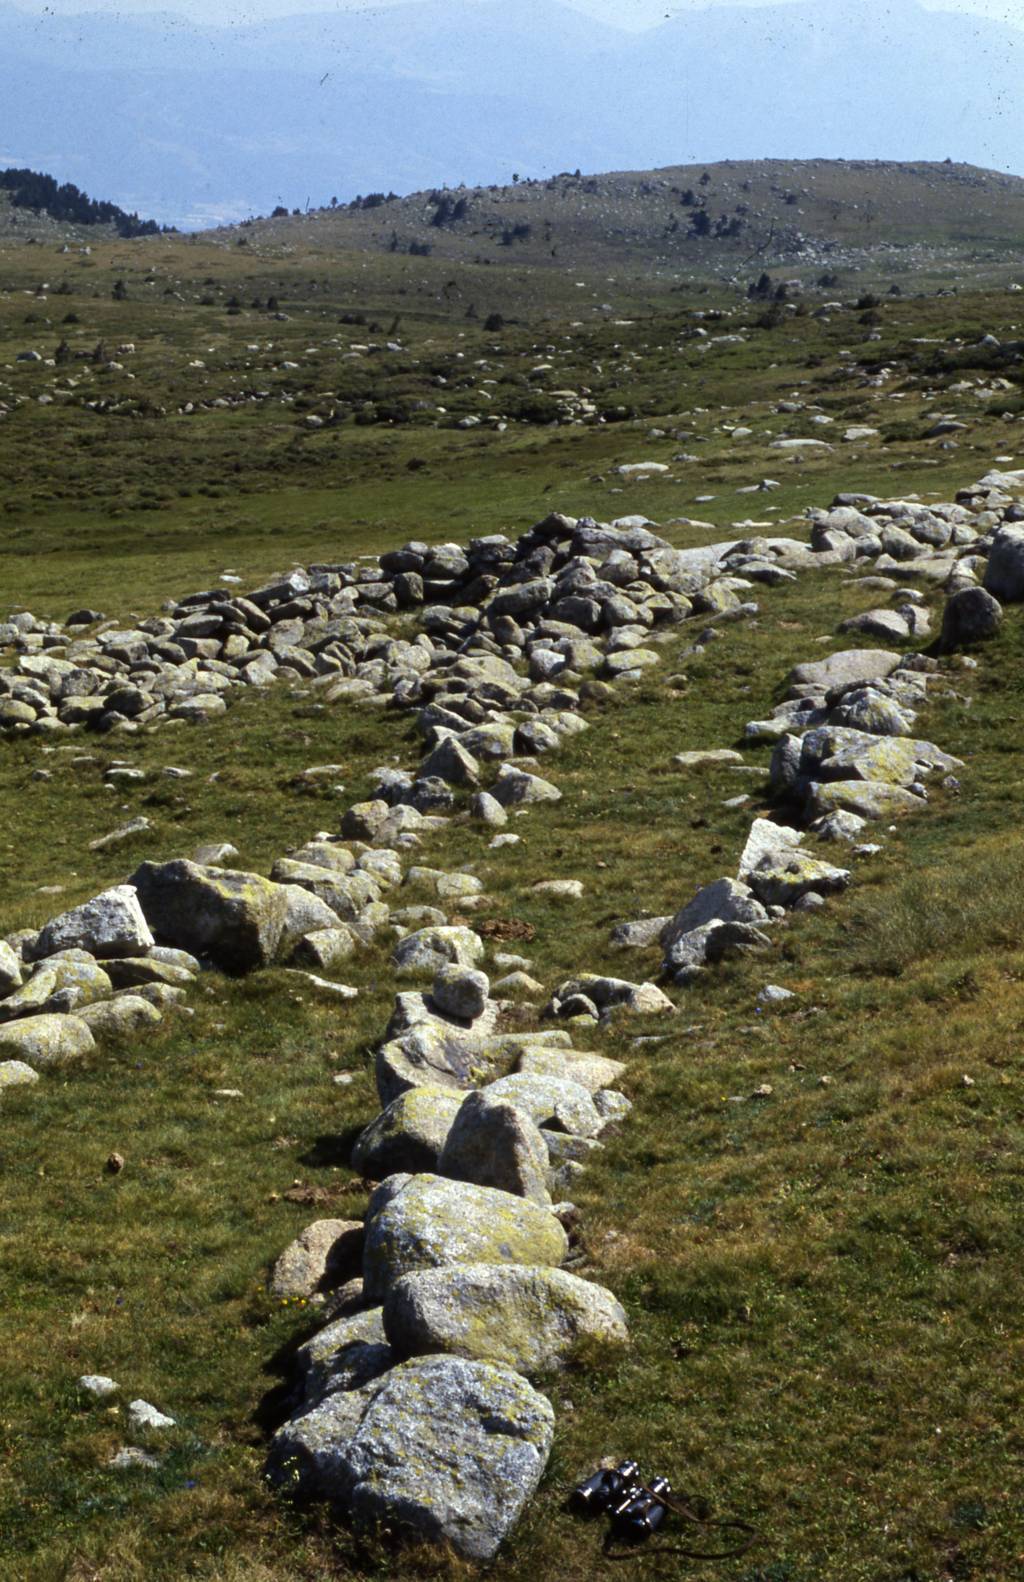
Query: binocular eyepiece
[
  {"x": 642, "y": 1512},
  {"x": 605, "y": 1488},
  {"x": 636, "y": 1509}
]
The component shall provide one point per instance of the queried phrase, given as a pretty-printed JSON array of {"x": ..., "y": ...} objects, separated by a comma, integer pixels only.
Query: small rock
[
  {"x": 98, "y": 1385},
  {"x": 132, "y": 1456},
  {"x": 15, "y": 1073},
  {"x": 321, "y": 1257},
  {"x": 560, "y": 889},
  {"x": 142, "y": 1416}
]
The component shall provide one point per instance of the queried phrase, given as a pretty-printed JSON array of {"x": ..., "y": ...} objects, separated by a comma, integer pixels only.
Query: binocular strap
[{"x": 678, "y": 1508}]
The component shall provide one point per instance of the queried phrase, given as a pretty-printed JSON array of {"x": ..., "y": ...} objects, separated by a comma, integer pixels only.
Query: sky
[{"x": 624, "y": 13}]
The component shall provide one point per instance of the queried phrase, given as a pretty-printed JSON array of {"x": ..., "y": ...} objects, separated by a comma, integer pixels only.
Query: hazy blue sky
[{"x": 631, "y": 13}]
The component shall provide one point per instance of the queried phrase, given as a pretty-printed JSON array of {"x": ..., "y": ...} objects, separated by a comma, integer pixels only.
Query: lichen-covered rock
[
  {"x": 426, "y": 951},
  {"x": 134, "y": 972},
  {"x": 32, "y": 997},
  {"x": 883, "y": 623},
  {"x": 892, "y": 759},
  {"x": 866, "y": 798},
  {"x": 639, "y": 934},
  {"x": 711, "y": 943},
  {"x": 364, "y": 820},
  {"x": 492, "y": 1143},
  {"x": 324, "y": 854},
  {"x": 869, "y": 710},
  {"x": 430, "y": 1056},
  {"x": 441, "y": 1450},
  {"x": 517, "y": 788},
  {"x": 116, "y": 1018},
  {"x": 723, "y": 901},
  {"x": 46, "y": 1040},
  {"x": 10, "y": 969},
  {"x": 614, "y": 1106},
  {"x": 409, "y": 1134},
  {"x": 451, "y": 762},
  {"x": 1004, "y": 574},
  {"x": 413, "y": 1009},
  {"x": 609, "y": 994},
  {"x": 839, "y": 826},
  {"x": 839, "y": 752},
  {"x": 590, "y": 1071},
  {"x": 305, "y": 913},
  {"x": 852, "y": 667},
  {"x": 343, "y": 894},
  {"x": 461, "y": 992},
  {"x": 321, "y": 1256},
  {"x": 550, "y": 1101},
  {"x": 766, "y": 840},
  {"x": 346, "y": 1355},
  {"x": 970, "y": 616},
  {"x": 427, "y": 1222},
  {"x": 783, "y": 880},
  {"x": 527, "y": 1318},
  {"x": 16, "y": 1074},
  {"x": 111, "y": 924},
  {"x": 236, "y": 919},
  {"x": 324, "y": 949}
]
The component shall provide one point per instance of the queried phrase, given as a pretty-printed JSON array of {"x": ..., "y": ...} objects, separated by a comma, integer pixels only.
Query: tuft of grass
[{"x": 961, "y": 909}]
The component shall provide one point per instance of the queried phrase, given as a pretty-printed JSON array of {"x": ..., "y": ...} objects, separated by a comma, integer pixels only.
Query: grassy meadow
[{"x": 823, "y": 1279}]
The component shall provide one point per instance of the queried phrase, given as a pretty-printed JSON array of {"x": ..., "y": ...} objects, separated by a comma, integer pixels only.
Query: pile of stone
[
  {"x": 573, "y": 599},
  {"x": 115, "y": 964},
  {"x": 569, "y": 597},
  {"x": 93, "y": 971},
  {"x": 972, "y": 541}
]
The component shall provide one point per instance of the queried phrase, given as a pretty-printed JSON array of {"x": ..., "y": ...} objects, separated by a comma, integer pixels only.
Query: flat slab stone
[
  {"x": 848, "y": 668},
  {"x": 592, "y": 1072},
  {"x": 866, "y": 798},
  {"x": 708, "y": 758}
]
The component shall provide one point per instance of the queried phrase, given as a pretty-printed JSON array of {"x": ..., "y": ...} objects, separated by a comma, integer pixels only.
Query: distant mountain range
[{"x": 198, "y": 125}]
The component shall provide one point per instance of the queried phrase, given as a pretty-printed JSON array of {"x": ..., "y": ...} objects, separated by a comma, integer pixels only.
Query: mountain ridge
[{"x": 356, "y": 102}]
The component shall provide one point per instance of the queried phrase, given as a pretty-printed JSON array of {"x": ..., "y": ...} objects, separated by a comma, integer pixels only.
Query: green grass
[{"x": 822, "y": 1283}]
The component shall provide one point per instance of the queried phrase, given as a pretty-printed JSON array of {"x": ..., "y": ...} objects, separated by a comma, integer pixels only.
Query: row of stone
[{"x": 448, "y": 1257}]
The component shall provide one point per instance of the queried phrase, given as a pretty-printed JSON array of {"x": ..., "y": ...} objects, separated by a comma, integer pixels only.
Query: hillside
[
  {"x": 372, "y": 99},
  {"x": 34, "y": 209},
  {"x": 720, "y": 219}
]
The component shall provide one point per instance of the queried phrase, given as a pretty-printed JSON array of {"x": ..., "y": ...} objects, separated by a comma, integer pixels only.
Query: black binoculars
[{"x": 636, "y": 1509}]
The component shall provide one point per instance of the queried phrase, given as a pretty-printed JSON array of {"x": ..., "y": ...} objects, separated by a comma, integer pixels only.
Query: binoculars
[{"x": 636, "y": 1509}]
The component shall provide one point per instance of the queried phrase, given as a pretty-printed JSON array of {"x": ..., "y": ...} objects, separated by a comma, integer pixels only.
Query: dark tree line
[{"x": 30, "y": 189}]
